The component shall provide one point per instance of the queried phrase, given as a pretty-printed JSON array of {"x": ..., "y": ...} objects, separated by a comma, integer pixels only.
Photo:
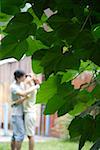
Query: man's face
[{"x": 21, "y": 79}]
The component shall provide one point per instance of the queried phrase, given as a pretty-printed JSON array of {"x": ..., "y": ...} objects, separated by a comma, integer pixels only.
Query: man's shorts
[
  {"x": 29, "y": 124},
  {"x": 18, "y": 128}
]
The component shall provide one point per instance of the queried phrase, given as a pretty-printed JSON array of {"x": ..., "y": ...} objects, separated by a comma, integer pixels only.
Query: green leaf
[
  {"x": 85, "y": 96},
  {"x": 60, "y": 99},
  {"x": 78, "y": 108},
  {"x": 75, "y": 127},
  {"x": 81, "y": 106},
  {"x": 67, "y": 107},
  {"x": 10, "y": 47},
  {"x": 36, "y": 67},
  {"x": 47, "y": 90},
  {"x": 56, "y": 101},
  {"x": 69, "y": 75},
  {"x": 80, "y": 126},
  {"x": 68, "y": 61},
  {"x": 96, "y": 32},
  {"x": 84, "y": 39},
  {"x": 4, "y": 17},
  {"x": 11, "y": 7},
  {"x": 38, "y": 55},
  {"x": 66, "y": 6},
  {"x": 63, "y": 28},
  {"x": 68, "y": 94},
  {"x": 95, "y": 56},
  {"x": 86, "y": 65},
  {"x": 34, "y": 45},
  {"x": 54, "y": 60},
  {"x": 47, "y": 38},
  {"x": 97, "y": 127},
  {"x": 21, "y": 26},
  {"x": 50, "y": 61}
]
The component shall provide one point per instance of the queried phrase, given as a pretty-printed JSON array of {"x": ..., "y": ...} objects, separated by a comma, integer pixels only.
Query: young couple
[{"x": 23, "y": 93}]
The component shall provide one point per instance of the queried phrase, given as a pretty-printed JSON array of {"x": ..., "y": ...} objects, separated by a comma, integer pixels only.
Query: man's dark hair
[{"x": 18, "y": 74}]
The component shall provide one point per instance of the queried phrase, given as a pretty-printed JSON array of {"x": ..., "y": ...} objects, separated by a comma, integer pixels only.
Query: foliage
[{"x": 63, "y": 44}]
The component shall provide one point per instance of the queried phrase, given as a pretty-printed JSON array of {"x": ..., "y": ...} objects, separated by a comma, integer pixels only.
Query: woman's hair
[{"x": 18, "y": 74}]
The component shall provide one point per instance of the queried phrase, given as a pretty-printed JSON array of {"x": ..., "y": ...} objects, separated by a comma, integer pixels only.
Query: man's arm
[
  {"x": 19, "y": 101},
  {"x": 28, "y": 91}
]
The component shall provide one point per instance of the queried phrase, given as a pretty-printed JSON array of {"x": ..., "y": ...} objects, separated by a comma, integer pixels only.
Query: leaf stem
[{"x": 85, "y": 21}]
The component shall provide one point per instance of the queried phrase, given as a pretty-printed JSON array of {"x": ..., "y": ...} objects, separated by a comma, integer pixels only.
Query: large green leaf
[
  {"x": 84, "y": 96},
  {"x": 47, "y": 38},
  {"x": 38, "y": 55},
  {"x": 69, "y": 75},
  {"x": 37, "y": 68},
  {"x": 68, "y": 61},
  {"x": 47, "y": 90},
  {"x": 68, "y": 93},
  {"x": 56, "y": 101},
  {"x": 10, "y": 47},
  {"x": 62, "y": 99},
  {"x": 75, "y": 127},
  {"x": 21, "y": 26},
  {"x": 78, "y": 108},
  {"x": 80, "y": 126},
  {"x": 50, "y": 61},
  {"x": 67, "y": 106},
  {"x": 54, "y": 60},
  {"x": 84, "y": 100},
  {"x": 34, "y": 45},
  {"x": 64, "y": 28}
]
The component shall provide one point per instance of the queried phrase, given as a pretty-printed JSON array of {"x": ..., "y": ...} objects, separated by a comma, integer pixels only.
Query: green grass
[{"x": 52, "y": 145}]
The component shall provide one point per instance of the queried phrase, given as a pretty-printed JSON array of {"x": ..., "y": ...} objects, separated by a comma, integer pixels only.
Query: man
[{"x": 18, "y": 93}]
